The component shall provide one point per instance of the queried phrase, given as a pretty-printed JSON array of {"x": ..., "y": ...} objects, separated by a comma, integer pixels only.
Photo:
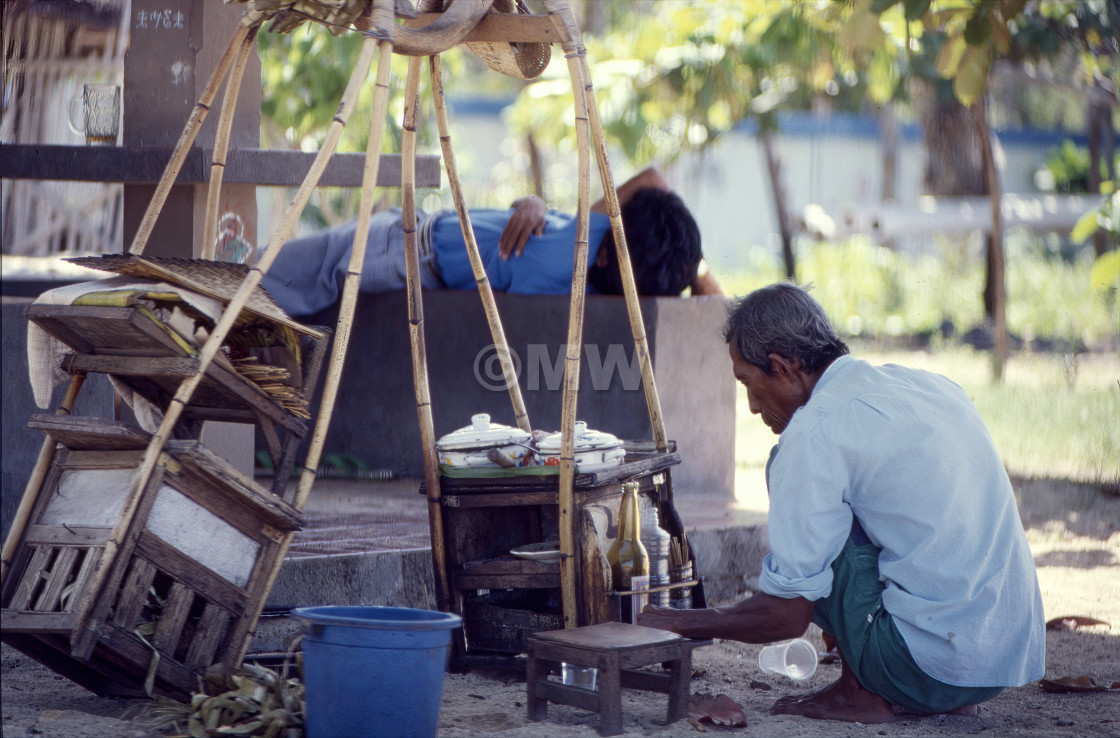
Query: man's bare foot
[
  {"x": 844, "y": 699},
  {"x": 835, "y": 702}
]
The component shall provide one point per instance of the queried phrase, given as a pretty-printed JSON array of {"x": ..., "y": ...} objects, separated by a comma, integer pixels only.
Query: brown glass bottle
[{"x": 627, "y": 556}]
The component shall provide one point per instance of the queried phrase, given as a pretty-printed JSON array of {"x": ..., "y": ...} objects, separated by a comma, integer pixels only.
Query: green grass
[
  {"x": 1053, "y": 416},
  {"x": 870, "y": 290}
]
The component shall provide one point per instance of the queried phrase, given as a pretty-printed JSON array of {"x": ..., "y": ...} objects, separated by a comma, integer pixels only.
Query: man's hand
[
  {"x": 761, "y": 618},
  {"x": 527, "y": 220},
  {"x": 662, "y": 618}
]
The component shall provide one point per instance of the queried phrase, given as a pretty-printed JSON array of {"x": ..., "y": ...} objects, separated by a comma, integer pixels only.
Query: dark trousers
[{"x": 870, "y": 642}]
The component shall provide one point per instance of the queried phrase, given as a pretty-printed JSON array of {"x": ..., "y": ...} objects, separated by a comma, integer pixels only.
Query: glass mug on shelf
[{"x": 100, "y": 116}]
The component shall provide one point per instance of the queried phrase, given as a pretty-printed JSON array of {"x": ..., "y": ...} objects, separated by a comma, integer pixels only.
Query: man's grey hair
[{"x": 782, "y": 319}]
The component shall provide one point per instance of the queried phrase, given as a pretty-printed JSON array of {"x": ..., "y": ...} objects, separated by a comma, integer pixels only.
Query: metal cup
[
  {"x": 579, "y": 676},
  {"x": 100, "y": 116},
  {"x": 681, "y": 597}
]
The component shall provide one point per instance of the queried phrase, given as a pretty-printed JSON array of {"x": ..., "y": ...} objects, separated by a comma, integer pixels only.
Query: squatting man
[{"x": 892, "y": 526}]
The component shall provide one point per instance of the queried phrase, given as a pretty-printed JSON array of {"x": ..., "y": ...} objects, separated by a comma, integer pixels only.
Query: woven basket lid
[
  {"x": 218, "y": 279},
  {"x": 517, "y": 59}
]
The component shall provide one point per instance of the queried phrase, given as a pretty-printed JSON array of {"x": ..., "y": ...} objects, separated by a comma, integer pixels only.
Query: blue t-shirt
[
  {"x": 544, "y": 267},
  {"x": 907, "y": 453}
]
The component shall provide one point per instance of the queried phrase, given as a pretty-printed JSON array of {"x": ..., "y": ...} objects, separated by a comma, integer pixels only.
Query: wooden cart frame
[{"x": 425, "y": 36}]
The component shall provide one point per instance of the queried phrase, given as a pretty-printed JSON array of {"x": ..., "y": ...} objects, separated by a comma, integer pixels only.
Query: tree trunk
[
  {"x": 888, "y": 137},
  {"x": 1099, "y": 120},
  {"x": 952, "y": 167},
  {"x": 535, "y": 168},
  {"x": 996, "y": 273},
  {"x": 774, "y": 169}
]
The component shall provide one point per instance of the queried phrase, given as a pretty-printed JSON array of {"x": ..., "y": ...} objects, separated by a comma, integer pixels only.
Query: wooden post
[
  {"x": 194, "y": 123},
  {"x": 416, "y": 335},
  {"x": 497, "y": 333},
  {"x": 629, "y": 288},
  {"x": 221, "y": 146},
  {"x": 573, "y": 51},
  {"x": 35, "y": 482}
]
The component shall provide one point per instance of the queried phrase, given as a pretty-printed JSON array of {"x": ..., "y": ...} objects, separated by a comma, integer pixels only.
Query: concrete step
[{"x": 367, "y": 543}]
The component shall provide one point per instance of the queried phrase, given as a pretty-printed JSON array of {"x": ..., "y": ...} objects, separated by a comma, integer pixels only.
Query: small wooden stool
[{"x": 615, "y": 649}]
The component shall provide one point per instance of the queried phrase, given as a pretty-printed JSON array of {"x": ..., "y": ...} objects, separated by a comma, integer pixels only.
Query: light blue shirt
[
  {"x": 907, "y": 453},
  {"x": 544, "y": 267}
]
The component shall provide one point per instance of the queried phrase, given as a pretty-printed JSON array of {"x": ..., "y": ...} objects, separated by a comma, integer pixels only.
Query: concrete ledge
[
  {"x": 398, "y": 578},
  {"x": 728, "y": 558},
  {"x": 375, "y": 419}
]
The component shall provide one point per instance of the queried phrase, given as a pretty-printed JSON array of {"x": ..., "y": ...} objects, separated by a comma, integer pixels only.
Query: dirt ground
[{"x": 1074, "y": 532}]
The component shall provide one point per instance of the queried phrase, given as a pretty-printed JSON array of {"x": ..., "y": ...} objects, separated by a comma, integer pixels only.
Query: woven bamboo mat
[{"x": 218, "y": 279}]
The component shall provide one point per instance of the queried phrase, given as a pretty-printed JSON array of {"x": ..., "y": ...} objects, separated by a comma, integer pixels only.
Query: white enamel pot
[
  {"x": 594, "y": 450},
  {"x": 484, "y": 444}
]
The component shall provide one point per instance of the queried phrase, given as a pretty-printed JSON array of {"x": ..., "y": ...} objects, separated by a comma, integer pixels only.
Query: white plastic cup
[
  {"x": 796, "y": 659},
  {"x": 578, "y": 676}
]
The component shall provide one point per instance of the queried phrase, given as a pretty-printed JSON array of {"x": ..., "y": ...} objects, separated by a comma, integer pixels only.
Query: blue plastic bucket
[{"x": 374, "y": 671}]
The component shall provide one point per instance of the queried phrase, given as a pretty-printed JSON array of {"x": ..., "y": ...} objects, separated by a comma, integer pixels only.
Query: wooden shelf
[
  {"x": 128, "y": 344},
  {"x": 508, "y": 574}
]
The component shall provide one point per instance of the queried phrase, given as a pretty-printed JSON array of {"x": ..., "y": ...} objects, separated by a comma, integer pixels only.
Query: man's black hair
[{"x": 664, "y": 244}]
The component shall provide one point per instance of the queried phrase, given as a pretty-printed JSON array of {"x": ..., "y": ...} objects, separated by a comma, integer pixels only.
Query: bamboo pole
[
  {"x": 497, "y": 332},
  {"x": 629, "y": 288},
  {"x": 240, "y": 36},
  {"x": 221, "y": 146},
  {"x": 212, "y": 345},
  {"x": 416, "y": 336},
  {"x": 573, "y": 51},
  {"x": 384, "y": 49},
  {"x": 35, "y": 484},
  {"x": 353, "y": 275}
]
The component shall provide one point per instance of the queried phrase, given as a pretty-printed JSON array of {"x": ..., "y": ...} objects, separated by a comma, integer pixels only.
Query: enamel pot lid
[
  {"x": 586, "y": 440},
  {"x": 481, "y": 433}
]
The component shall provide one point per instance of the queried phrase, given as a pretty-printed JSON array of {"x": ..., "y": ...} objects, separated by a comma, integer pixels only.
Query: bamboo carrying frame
[{"x": 467, "y": 20}]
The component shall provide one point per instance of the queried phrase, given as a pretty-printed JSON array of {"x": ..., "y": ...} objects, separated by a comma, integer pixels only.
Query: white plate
[{"x": 547, "y": 551}]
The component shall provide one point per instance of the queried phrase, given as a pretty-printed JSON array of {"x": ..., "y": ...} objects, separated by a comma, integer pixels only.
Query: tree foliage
[
  {"x": 675, "y": 76},
  {"x": 970, "y": 35}
]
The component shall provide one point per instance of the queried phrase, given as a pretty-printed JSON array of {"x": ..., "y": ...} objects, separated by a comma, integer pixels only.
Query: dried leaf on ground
[
  {"x": 720, "y": 710},
  {"x": 1073, "y": 622},
  {"x": 1071, "y": 684}
]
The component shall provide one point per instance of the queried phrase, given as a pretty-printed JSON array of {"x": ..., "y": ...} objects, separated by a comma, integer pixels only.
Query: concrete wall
[
  {"x": 375, "y": 418},
  {"x": 21, "y": 444}
]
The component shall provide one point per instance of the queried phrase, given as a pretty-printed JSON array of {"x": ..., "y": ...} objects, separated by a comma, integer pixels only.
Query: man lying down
[{"x": 526, "y": 249}]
